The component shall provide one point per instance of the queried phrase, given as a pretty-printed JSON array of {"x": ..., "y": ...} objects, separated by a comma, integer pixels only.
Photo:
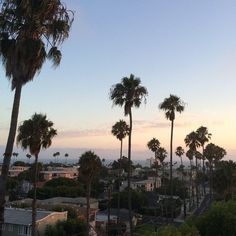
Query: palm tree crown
[
  {"x": 161, "y": 154},
  {"x": 128, "y": 93},
  {"x": 179, "y": 151},
  {"x": 203, "y": 135},
  {"x": 36, "y": 133},
  {"x": 171, "y": 105},
  {"x": 27, "y": 28},
  {"x": 153, "y": 145},
  {"x": 192, "y": 141},
  {"x": 120, "y": 129}
]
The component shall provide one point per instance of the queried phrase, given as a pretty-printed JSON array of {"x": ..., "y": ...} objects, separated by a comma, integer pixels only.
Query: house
[
  {"x": 79, "y": 204},
  {"x": 57, "y": 172},
  {"x": 147, "y": 184},
  {"x": 18, "y": 221},
  {"x": 102, "y": 219},
  {"x": 14, "y": 171}
]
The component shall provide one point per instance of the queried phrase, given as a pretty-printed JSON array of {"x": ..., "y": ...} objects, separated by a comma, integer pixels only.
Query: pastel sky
[{"x": 183, "y": 47}]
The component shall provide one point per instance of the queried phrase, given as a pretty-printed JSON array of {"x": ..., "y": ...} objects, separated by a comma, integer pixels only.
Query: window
[
  {"x": 3, "y": 226},
  {"x": 10, "y": 227},
  {"x": 24, "y": 230}
]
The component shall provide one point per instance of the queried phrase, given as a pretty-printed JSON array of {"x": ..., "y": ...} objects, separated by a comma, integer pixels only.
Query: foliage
[
  {"x": 67, "y": 228},
  {"x": 19, "y": 163},
  {"x": 138, "y": 199},
  {"x": 224, "y": 179},
  {"x": 218, "y": 220},
  {"x": 122, "y": 163},
  {"x": 28, "y": 175},
  {"x": 62, "y": 181}
]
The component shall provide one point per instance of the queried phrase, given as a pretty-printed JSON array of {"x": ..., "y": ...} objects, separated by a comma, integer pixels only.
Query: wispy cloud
[{"x": 82, "y": 133}]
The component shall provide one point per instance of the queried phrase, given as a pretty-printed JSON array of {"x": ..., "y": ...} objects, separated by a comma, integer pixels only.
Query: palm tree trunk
[
  {"x": 8, "y": 151},
  {"x": 203, "y": 167},
  {"x": 211, "y": 180},
  {"x": 34, "y": 212},
  {"x": 196, "y": 184},
  {"x": 118, "y": 203},
  {"x": 129, "y": 174},
  {"x": 171, "y": 165},
  {"x": 88, "y": 205}
]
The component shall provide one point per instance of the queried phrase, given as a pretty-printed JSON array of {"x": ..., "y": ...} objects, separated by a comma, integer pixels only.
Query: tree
[
  {"x": 224, "y": 179},
  {"x": 203, "y": 137},
  {"x": 35, "y": 134},
  {"x": 170, "y": 106},
  {"x": 28, "y": 156},
  {"x": 30, "y": 33},
  {"x": 154, "y": 145},
  {"x": 89, "y": 166},
  {"x": 180, "y": 152},
  {"x": 15, "y": 154},
  {"x": 120, "y": 130},
  {"x": 66, "y": 156},
  {"x": 129, "y": 93},
  {"x": 213, "y": 153},
  {"x": 193, "y": 143}
]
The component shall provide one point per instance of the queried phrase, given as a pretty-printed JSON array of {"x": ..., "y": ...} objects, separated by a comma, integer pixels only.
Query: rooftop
[{"x": 19, "y": 216}]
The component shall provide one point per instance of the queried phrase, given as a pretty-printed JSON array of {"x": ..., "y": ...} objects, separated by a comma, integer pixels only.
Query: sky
[{"x": 186, "y": 48}]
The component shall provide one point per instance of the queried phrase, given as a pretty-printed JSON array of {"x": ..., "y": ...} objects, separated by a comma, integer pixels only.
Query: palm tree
[
  {"x": 192, "y": 142},
  {"x": 15, "y": 154},
  {"x": 180, "y": 152},
  {"x": 154, "y": 145},
  {"x": 129, "y": 93},
  {"x": 66, "y": 156},
  {"x": 213, "y": 153},
  {"x": 89, "y": 167},
  {"x": 203, "y": 137},
  {"x": 120, "y": 130},
  {"x": 190, "y": 155},
  {"x": 28, "y": 156},
  {"x": 30, "y": 33},
  {"x": 35, "y": 134},
  {"x": 170, "y": 106}
]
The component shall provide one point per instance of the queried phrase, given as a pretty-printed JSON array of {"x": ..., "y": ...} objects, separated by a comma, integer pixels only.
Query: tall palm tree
[
  {"x": 180, "y": 152},
  {"x": 154, "y": 145},
  {"x": 170, "y": 106},
  {"x": 129, "y": 93},
  {"x": 89, "y": 166},
  {"x": 35, "y": 134},
  {"x": 193, "y": 143},
  {"x": 203, "y": 137},
  {"x": 213, "y": 153},
  {"x": 120, "y": 130},
  {"x": 190, "y": 155},
  {"x": 30, "y": 33}
]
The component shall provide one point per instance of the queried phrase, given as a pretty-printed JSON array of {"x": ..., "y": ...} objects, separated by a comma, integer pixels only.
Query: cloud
[{"x": 82, "y": 133}]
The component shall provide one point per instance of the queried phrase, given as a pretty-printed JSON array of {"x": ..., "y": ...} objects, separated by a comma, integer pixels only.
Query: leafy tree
[
  {"x": 213, "y": 153},
  {"x": 129, "y": 93},
  {"x": 224, "y": 179},
  {"x": 67, "y": 228},
  {"x": 30, "y": 33},
  {"x": 35, "y": 134},
  {"x": 170, "y": 106},
  {"x": 90, "y": 165},
  {"x": 218, "y": 220}
]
